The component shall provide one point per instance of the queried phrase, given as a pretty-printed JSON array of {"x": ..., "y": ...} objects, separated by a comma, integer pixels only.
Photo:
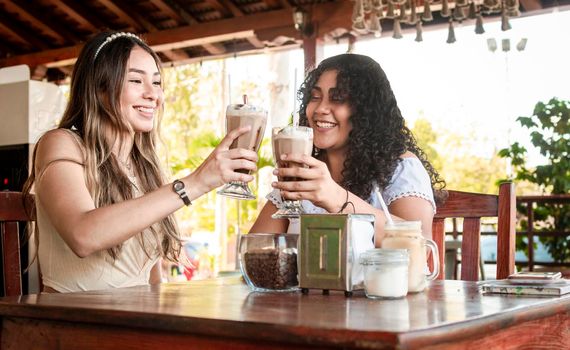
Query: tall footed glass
[
  {"x": 237, "y": 116},
  {"x": 288, "y": 140}
]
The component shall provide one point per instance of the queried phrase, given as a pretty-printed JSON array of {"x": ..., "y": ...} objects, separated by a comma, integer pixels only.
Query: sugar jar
[
  {"x": 385, "y": 273},
  {"x": 408, "y": 235}
]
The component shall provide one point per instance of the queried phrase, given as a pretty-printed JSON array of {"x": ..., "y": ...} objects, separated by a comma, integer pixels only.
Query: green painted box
[{"x": 328, "y": 250}]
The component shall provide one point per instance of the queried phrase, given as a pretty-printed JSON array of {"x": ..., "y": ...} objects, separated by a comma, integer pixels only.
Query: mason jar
[{"x": 385, "y": 273}]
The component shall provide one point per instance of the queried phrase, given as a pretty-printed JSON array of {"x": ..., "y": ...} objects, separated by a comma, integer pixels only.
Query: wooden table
[{"x": 223, "y": 314}]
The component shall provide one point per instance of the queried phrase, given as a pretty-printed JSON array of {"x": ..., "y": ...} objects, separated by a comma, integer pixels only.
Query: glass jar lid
[
  {"x": 381, "y": 256},
  {"x": 404, "y": 226}
]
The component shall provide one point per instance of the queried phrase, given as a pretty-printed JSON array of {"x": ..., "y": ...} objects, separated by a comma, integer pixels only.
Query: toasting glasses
[
  {"x": 237, "y": 116},
  {"x": 289, "y": 140}
]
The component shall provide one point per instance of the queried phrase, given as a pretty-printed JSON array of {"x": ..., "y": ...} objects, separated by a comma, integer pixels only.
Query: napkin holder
[{"x": 329, "y": 245}]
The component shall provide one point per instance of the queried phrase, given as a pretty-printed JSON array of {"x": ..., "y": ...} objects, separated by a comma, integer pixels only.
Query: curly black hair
[{"x": 379, "y": 135}]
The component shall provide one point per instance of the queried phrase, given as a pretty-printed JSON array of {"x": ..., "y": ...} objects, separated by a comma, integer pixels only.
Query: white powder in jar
[{"x": 386, "y": 281}]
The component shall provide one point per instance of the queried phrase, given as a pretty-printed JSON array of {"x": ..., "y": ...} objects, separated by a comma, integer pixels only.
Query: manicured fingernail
[
  {"x": 275, "y": 172},
  {"x": 273, "y": 184}
]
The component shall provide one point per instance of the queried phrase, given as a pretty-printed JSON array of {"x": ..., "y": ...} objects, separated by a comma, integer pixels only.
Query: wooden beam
[
  {"x": 57, "y": 28},
  {"x": 255, "y": 42},
  {"x": 26, "y": 15},
  {"x": 173, "y": 7},
  {"x": 222, "y": 30},
  {"x": 22, "y": 32},
  {"x": 175, "y": 55},
  {"x": 123, "y": 14},
  {"x": 80, "y": 14},
  {"x": 215, "y": 48}
]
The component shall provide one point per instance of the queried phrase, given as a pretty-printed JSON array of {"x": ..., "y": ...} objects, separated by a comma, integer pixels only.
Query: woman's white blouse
[{"x": 410, "y": 179}]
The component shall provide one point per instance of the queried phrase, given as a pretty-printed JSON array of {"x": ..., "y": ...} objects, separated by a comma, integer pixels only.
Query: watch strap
[{"x": 178, "y": 187}]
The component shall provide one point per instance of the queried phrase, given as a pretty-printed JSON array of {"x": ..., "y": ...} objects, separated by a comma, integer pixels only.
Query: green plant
[{"x": 550, "y": 134}]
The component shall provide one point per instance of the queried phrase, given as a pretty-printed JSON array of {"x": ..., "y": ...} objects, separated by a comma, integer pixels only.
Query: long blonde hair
[{"x": 94, "y": 115}]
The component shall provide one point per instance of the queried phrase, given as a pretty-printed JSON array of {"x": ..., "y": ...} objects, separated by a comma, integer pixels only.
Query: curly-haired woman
[
  {"x": 361, "y": 145},
  {"x": 104, "y": 207}
]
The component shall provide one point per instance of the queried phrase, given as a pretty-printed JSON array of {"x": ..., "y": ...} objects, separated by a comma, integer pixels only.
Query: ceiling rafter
[
  {"x": 213, "y": 35},
  {"x": 25, "y": 14},
  {"x": 20, "y": 31},
  {"x": 175, "y": 11},
  {"x": 122, "y": 14},
  {"x": 39, "y": 19},
  {"x": 80, "y": 14}
]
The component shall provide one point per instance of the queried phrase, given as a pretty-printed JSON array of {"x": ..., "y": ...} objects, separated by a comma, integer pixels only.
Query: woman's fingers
[
  {"x": 232, "y": 135},
  {"x": 302, "y": 159},
  {"x": 295, "y": 186},
  {"x": 242, "y": 153},
  {"x": 304, "y": 173}
]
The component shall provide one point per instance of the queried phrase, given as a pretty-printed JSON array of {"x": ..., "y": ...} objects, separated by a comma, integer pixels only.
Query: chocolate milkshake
[
  {"x": 291, "y": 140},
  {"x": 240, "y": 115}
]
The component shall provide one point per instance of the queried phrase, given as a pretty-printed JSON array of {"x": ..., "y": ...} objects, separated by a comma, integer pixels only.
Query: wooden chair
[
  {"x": 12, "y": 214},
  {"x": 472, "y": 207}
]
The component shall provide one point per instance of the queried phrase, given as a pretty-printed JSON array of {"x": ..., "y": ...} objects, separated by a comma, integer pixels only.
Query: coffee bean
[{"x": 271, "y": 268}]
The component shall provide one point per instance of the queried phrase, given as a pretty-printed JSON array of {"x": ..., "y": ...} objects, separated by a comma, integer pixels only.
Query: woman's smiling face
[{"x": 328, "y": 113}]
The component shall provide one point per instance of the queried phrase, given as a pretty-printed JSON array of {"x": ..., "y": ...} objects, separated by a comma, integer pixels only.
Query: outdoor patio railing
[{"x": 531, "y": 230}]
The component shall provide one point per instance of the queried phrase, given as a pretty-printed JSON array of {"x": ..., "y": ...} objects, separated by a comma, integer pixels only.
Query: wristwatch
[{"x": 178, "y": 187}]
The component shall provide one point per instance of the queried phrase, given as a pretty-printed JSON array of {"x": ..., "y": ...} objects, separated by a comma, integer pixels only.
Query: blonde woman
[{"x": 104, "y": 208}]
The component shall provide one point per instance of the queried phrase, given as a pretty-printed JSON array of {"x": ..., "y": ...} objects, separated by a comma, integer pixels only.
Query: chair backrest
[
  {"x": 12, "y": 213},
  {"x": 472, "y": 207}
]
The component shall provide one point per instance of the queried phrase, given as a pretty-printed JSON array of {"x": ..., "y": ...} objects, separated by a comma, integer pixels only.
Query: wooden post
[{"x": 312, "y": 51}]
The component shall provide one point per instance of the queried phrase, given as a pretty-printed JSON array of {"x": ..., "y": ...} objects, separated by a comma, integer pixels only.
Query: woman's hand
[
  {"x": 221, "y": 165},
  {"x": 318, "y": 185}
]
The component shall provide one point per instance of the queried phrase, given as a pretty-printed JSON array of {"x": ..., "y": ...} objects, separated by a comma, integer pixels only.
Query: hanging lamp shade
[
  {"x": 479, "y": 24},
  {"x": 413, "y": 14},
  {"x": 375, "y": 27},
  {"x": 397, "y": 30},
  {"x": 427, "y": 15},
  {"x": 445, "y": 12},
  {"x": 357, "y": 11},
  {"x": 419, "y": 31},
  {"x": 458, "y": 14},
  {"x": 390, "y": 11},
  {"x": 472, "y": 11},
  {"x": 451, "y": 34},
  {"x": 505, "y": 25},
  {"x": 491, "y": 4}
]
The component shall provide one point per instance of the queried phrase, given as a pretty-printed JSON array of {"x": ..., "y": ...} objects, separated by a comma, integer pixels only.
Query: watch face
[{"x": 178, "y": 185}]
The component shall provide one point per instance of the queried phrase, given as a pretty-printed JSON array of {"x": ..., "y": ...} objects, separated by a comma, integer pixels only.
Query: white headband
[{"x": 113, "y": 37}]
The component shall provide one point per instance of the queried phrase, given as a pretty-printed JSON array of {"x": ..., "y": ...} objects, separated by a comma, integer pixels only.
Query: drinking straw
[{"x": 384, "y": 207}]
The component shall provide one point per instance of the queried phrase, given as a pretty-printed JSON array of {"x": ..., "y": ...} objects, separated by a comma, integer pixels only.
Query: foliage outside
[{"x": 550, "y": 133}]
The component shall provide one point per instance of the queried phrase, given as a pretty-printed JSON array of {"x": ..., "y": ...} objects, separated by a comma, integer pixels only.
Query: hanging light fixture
[
  {"x": 419, "y": 37},
  {"x": 451, "y": 33},
  {"x": 302, "y": 22},
  {"x": 367, "y": 15}
]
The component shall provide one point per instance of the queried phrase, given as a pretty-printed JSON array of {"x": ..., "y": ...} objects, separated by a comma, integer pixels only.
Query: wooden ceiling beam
[
  {"x": 215, "y": 48},
  {"x": 23, "y": 33},
  {"x": 168, "y": 9},
  {"x": 118, "y": 8},
  {"x": 77, "y": 12},
  {"x": 175, "y": 55},
  {"x": 227, "y": 9},
  {"x": 255, "y": 42},
  {"x": 53, "y": 28},
  {"x": 11, "y": 7},
  {"x": 192, "y": 35}
]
